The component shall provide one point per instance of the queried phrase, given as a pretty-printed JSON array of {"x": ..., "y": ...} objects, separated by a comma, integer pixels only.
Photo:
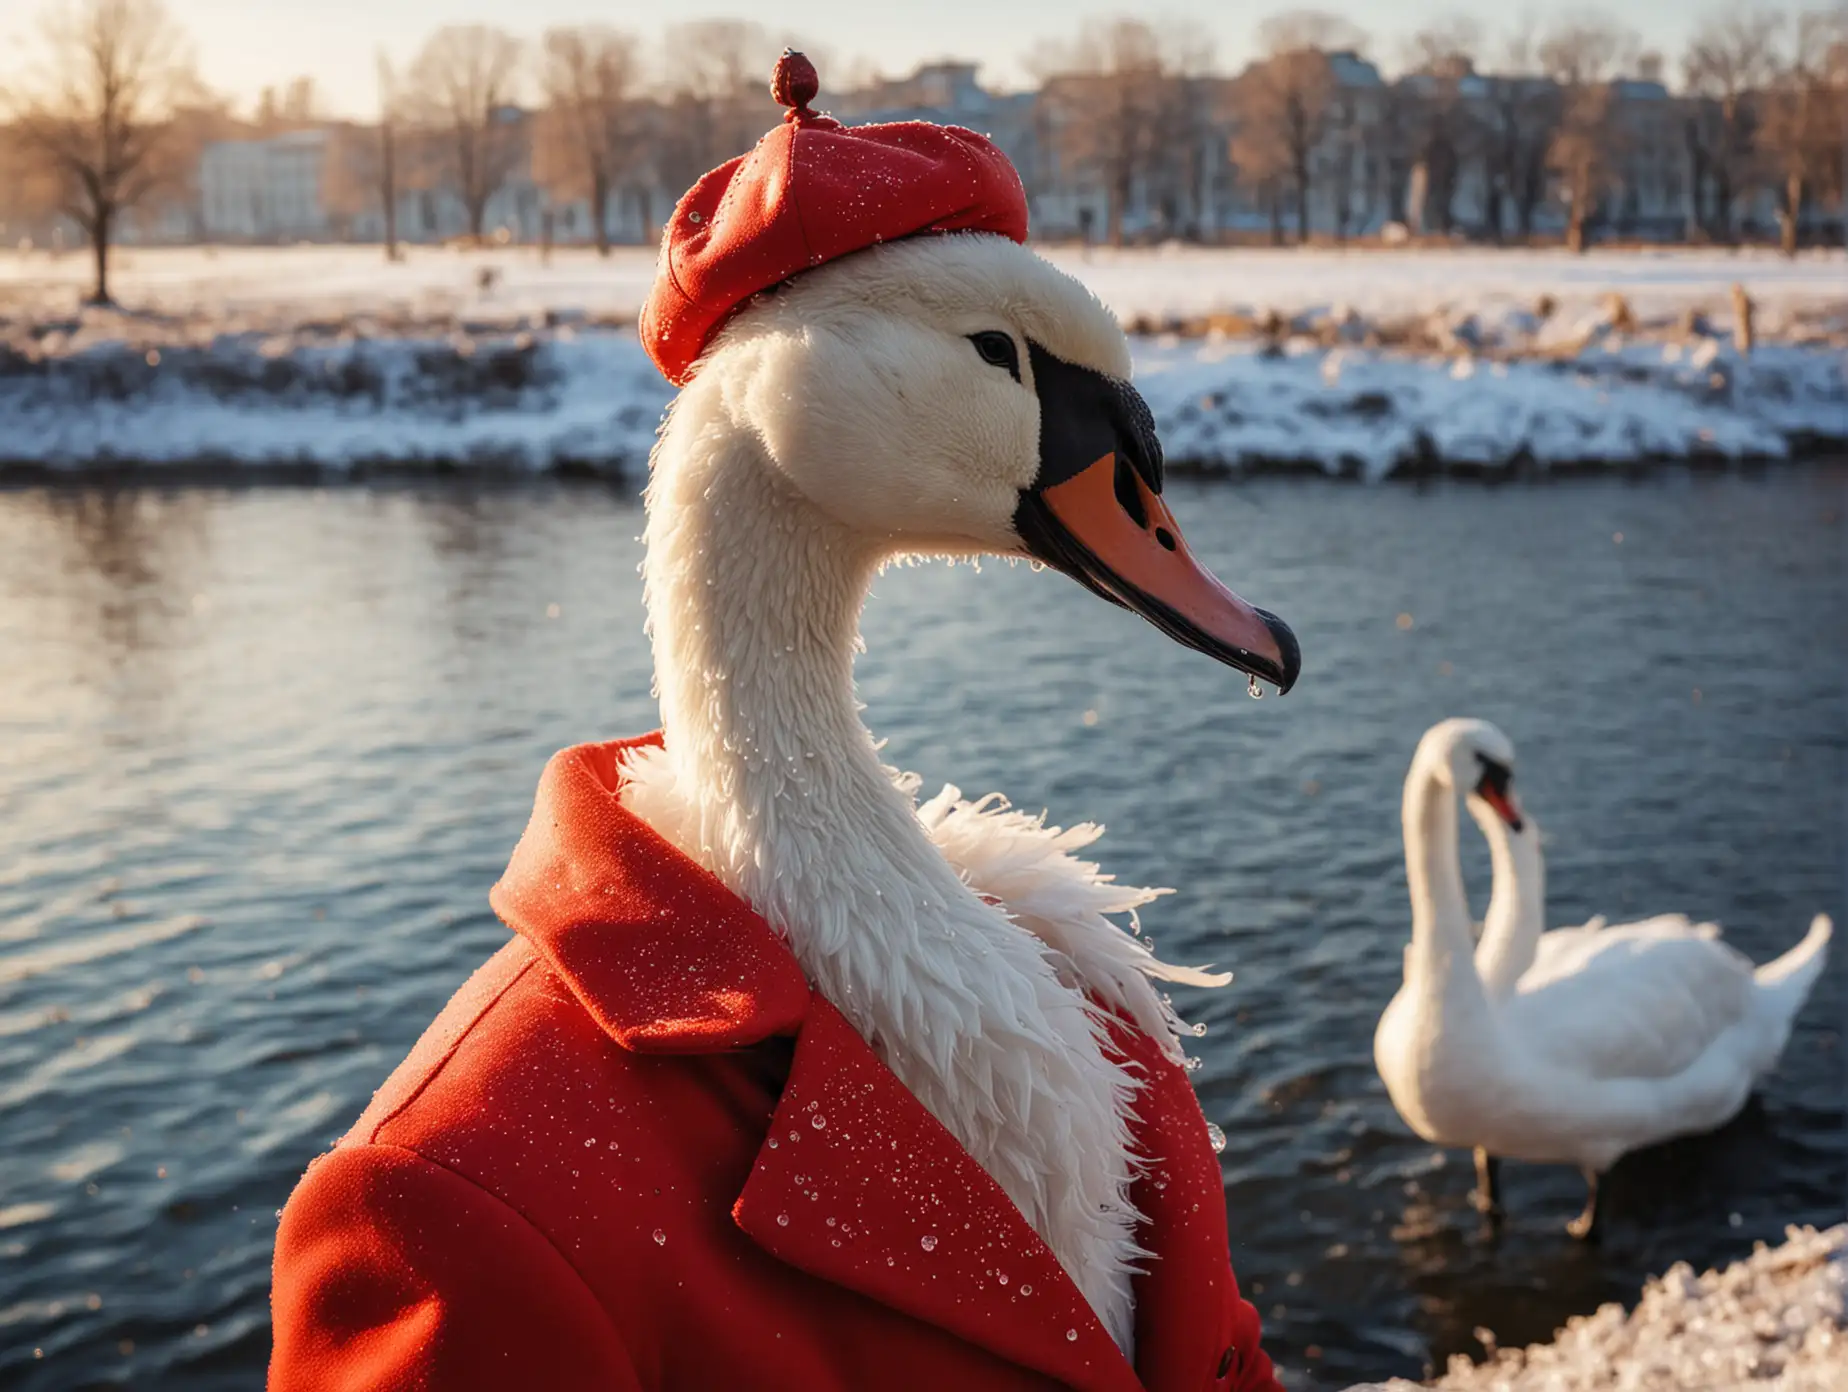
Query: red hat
[{"x": 813, "y": 190}]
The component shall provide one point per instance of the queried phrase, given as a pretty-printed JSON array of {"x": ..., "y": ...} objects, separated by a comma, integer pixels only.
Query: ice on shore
[
  {"x": 330, "y": 358},
  {"x": 1774, "y": 1321}
]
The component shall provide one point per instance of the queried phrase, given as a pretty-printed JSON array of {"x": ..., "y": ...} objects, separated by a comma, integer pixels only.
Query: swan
[
  {"x": 950, "y": 395},
  {"x": 1573, "y": 1046}
]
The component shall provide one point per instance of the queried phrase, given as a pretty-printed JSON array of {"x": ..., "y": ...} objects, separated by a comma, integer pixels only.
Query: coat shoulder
[{"x": 446, "y": 1035}]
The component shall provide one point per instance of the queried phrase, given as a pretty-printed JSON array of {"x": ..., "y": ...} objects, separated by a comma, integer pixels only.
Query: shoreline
[
  {"x": 325, "y": 402},
  {"x": 508, "y": 474},
  {"x": 1776, "y": 1319}
]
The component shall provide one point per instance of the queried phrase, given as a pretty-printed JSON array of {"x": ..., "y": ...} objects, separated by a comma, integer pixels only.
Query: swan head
[
  {"x": 958, "y": 395},
  {"x": 1476, "y": 760}
]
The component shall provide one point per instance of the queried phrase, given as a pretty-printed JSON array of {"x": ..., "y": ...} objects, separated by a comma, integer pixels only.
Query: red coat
[{"x": 637, "y": 1151}]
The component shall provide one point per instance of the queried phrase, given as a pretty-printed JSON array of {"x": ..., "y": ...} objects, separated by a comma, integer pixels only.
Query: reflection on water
[{"x": 262, "y": 753}]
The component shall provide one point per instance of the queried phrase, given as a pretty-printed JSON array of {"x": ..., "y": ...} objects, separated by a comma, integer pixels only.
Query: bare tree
[
  {"x": 297, "y": 105},
  {"x": 95, "y": 112},
  {"x": 1284, "y": 101},
  {"x": 715, "y": 102},
  {"x": 1115, "y": 107},
  {"x": 1806, "y": 120},
  {"x": 587, "y": 136},
  {"x": 1183, "y": 130},
  {"x": 1584, "y": 56},
  {"x": 388, "y": 154},
  {"x": 1440, "y": 60},
  {"x": 1731, "y": 59},
  {"x": 460, "y": 86},
  {"x": 1522, "y": 112},
  {"x": 362, "y": 170}
]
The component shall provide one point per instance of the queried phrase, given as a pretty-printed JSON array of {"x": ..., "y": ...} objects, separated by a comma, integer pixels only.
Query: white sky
[{"x": 245, "y": 45}]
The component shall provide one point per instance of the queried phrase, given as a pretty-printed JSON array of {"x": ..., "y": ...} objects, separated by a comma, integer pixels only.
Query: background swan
[{"x": 1569, "y": 1047}]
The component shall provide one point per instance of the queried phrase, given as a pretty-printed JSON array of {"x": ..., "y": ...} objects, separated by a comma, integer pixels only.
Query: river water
[{"x": 263, "y": 752}]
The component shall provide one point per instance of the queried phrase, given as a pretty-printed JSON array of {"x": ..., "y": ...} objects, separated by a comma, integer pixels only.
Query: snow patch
[{"x": 1772, "y": 1321}]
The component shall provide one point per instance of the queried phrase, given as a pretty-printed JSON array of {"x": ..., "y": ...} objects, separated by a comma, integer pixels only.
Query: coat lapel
[
  {"x": 1183, "y": 1290},
  {"x": 856, "y": 1183},
  {"x": 859, "y": 1185}
]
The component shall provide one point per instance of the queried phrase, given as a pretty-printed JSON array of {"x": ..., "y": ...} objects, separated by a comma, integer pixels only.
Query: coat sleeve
[
  {"x": 393, "y": 1273},
  {"x": 1252, "y": 1370}
]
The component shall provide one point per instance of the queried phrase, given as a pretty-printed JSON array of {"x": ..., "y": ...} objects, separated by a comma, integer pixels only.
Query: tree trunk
[
  {"x": 1575, "y": 227},
  {"x": 1793, "y": 204},
  {"x": 1302, "y": 208},
  {"x": 1276, "y": 217},
  {"x": 600, "y": 210},
  {"x": 388, "y": 186},
  {"x": 99, "y": 242}
]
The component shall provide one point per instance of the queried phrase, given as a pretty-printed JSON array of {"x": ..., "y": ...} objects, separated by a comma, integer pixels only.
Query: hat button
[{"x": 794, "y": 84}]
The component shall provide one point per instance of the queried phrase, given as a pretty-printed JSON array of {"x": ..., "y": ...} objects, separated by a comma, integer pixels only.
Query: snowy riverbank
[
  {"x": 1774, "y": 1321},
  {"x": 1367, "y": 364}
]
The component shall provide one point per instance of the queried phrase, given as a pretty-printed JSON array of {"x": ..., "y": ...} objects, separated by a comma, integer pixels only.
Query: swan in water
[{"x": 1568, "y": 1047}]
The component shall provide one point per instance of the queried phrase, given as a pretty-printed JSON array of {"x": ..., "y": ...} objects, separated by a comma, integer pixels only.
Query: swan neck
[
  {"x": 1442, "y": 950},
  {"x": 754, "y": 598},
  {"x": 1517, "y": 904}
]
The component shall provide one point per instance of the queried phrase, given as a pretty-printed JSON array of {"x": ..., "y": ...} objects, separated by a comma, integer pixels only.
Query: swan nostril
[
  {"x": 1128, "y": 494},
  {"x": 1165, "y": 537}
]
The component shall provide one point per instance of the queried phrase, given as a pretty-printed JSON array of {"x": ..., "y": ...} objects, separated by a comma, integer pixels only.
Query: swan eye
[
  {"x": 1496, "y": 776},
  {"x": 997, "y": 350}
]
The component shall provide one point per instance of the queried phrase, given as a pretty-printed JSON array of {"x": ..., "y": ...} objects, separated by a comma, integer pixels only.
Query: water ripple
[{"x": 263, "y": 753}]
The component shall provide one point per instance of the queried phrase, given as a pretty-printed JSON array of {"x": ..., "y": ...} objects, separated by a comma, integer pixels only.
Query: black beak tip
[{"x": 1287, "y": 646}]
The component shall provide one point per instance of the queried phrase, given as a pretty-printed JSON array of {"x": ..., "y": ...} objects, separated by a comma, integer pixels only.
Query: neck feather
[
  {"x": 1442, "y": 954},
  {"x": 774, "y": 784},
  {"x": 1516, "y": 914}
]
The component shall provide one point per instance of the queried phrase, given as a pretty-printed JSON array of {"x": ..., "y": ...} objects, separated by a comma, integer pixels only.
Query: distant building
[
  {"x": 266, "y": 190},
  {"x": 1462, "y": 154}
]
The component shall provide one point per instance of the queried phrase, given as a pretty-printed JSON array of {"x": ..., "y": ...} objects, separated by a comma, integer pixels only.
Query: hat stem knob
[{"x": 794, "y": 84}]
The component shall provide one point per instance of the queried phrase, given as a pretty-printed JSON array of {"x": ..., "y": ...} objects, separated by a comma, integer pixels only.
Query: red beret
[{"x": 813, "y": 190}]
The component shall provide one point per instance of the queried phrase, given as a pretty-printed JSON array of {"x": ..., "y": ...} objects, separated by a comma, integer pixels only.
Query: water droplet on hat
[
  {"x": 660, "y": 1238},
  {"x": 782, "y": 1220},
  {"x": 818, "y": 1121},
  {"x": 1215, "y": 1138},
  {"x": 928, "y": 1242},
  {"x": 1071, "y": 1336}
]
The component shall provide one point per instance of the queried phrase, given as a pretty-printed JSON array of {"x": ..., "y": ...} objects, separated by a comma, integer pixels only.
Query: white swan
[
  {"x": 1567, "y": 1047},
  {"x": 950, "y": 395}
]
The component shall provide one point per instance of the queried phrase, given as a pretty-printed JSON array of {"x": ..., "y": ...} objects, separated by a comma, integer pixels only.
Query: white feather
[{"x": 1032, "y": 872}]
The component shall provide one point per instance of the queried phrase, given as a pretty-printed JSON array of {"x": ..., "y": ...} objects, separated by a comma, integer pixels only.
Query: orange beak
[
  {"x": 1504, "y": 804},
  {"x": 1089, "y": 528},
  {"x": 1096, "y": 513}
]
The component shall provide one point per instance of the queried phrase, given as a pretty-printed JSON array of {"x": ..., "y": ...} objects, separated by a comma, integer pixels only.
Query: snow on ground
[
  {"x": 1364, "y": 363},
  {"x": 1774, "y": 1321},
  {"x": 1152, "y": 284}
]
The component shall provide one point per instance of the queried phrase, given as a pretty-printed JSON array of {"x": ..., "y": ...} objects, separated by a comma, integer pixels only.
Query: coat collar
[
  {"x": 856, "y": 1182},
  {"x": 665, "y": 958}
]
